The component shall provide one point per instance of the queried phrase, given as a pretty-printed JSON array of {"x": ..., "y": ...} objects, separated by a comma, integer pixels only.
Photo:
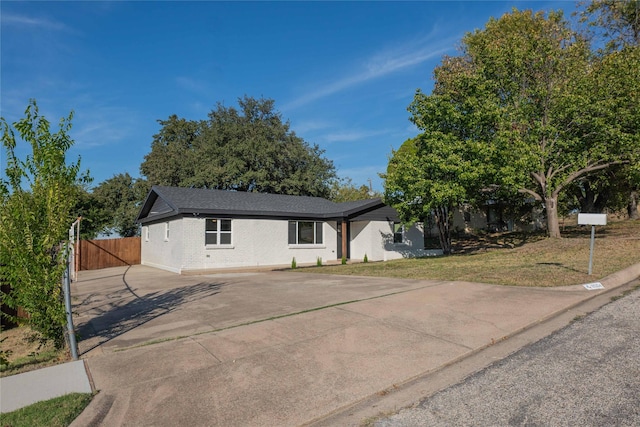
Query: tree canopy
[
  {"x": 617, "y": 22},
  {"x": 245, "y": 149},
  {"x": 532, "y": 106},
  {"x": 344, "y": 190},
  {"x": 118, "y": 199},
  {"x": 430, "y": 175},
  {"x": 613, "y": 26}
]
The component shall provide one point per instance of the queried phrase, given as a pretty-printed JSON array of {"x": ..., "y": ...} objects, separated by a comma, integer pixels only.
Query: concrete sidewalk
[
  {"x": 285, "y": 349},
  {"x": 21, "y": 390}
]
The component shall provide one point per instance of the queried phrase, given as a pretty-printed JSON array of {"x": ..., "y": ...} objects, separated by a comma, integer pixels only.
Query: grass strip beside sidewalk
[{"x": 56, "y": 412}]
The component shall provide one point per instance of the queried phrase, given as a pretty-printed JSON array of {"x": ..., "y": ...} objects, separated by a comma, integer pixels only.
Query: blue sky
[{"x": 342, "y": 73}]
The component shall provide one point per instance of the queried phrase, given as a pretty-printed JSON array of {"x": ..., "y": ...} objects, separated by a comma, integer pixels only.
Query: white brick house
[{"x": 191, "y": 230}]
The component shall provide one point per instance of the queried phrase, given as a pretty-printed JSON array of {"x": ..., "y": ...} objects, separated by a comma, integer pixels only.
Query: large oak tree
[
  {"x": 548, "y": 111},
  {"x": 246, "y": 149}
]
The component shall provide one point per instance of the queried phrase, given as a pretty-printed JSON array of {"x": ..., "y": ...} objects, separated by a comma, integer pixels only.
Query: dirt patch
[{"x": 25, "y": 350}]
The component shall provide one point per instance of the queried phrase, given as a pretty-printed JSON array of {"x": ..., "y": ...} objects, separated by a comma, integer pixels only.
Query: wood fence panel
[
  {"x": 96, "y": 254},
  {"x": 20, "y": 313}
]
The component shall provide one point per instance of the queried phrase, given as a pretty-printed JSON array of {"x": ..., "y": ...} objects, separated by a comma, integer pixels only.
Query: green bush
[{"x": 36, "y": 201}]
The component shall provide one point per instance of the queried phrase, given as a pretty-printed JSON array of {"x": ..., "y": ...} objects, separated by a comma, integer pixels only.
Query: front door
[{"x": 343, "y": 239}]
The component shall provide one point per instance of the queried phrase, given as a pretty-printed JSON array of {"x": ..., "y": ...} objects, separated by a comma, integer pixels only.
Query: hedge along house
[{"x": 195, "y": 230}]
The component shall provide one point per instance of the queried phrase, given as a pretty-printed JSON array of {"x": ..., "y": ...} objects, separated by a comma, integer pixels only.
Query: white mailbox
[{"x": 592, "y": 219}]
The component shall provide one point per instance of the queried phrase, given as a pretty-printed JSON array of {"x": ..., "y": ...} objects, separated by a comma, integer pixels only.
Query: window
[
  {"x": 217, "y": 231},
  {"x": 398, "y": 232},
  {"x": 146, "y": 233},
  {"x": 305, "y": 233},
  {"x": 166, "y": 231}
]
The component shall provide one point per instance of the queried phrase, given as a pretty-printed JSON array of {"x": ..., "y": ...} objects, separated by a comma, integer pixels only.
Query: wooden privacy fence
[
  {"x": 96, "y": 254},
  {"x": 5, "y": 288}
]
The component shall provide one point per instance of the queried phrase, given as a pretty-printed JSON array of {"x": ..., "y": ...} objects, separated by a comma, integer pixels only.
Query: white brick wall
[
  {"x": 162, "y": 253},
  {"x": 375, "y": 238},
  {"x": 264, "y": 242},
  {"x": 254, "y": 242}
]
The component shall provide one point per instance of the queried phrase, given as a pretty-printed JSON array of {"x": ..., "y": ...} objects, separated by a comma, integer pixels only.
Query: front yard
[{"x": 518, "y": 259}]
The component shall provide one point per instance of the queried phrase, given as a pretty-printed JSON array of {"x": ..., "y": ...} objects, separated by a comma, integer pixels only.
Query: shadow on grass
[
  {"x": 584, "y": 231},
  {"x": 129, "y": 311},
  {"x": 467, "y": 244},
  {"x": 560, "y": 265},
  {"x": 35, "y": 360}
]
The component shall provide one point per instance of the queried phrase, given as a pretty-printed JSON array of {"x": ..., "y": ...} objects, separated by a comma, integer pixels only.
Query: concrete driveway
[{"x": 289, "y": 348}]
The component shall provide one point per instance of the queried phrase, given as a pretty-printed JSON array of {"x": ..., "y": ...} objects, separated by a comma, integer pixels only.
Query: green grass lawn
[
  {"x": 517, "y": 259},
  {"x": 58, "y": 412}
]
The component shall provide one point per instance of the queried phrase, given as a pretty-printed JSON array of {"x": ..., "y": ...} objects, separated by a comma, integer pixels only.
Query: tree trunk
[
  {"x": 632, "y": 206},
  {"x": 553, "y": 226},
  {"x": 444, "y": 231},
  {"x": 587, "y": 199}
]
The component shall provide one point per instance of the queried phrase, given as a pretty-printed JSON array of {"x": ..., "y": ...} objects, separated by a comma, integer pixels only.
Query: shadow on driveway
[{"x": 105, "y": 316}]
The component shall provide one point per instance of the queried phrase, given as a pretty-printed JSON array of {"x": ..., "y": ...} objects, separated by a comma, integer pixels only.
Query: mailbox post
[{"x": 592, "y": 220}]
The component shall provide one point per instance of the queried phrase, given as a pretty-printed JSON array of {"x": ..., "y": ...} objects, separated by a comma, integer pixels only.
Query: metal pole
[
  {"x": 593, "y": 238},
  {"x": 67, "y": 303},
  {"x": 76, "y": 251}
]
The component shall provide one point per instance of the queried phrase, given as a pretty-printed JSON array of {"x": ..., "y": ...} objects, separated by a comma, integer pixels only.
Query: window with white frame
[
  {"x": 398, "y": 232},
  {"x": 146, "y": 233},
  {"x": 217, "y": 231},
  {"x": 305, "y": 233},
  {"x": 166, "y": 231}
]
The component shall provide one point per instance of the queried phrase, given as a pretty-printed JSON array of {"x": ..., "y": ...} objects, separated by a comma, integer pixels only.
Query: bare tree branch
[
  {"x": 531, "y": 193},
  {"x": 585, "y": 171}
]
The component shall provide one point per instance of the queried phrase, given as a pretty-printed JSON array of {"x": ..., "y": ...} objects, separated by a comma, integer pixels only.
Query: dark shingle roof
[{"x": 165, "y": 202}]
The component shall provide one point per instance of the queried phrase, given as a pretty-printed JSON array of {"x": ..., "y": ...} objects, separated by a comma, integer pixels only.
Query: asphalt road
[{"x": 587, "y": 374}]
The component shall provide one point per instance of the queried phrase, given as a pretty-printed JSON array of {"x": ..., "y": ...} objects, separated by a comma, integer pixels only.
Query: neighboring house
[
  {"x": 191, "y": 230},
  {"x": 491, "y": 218}
]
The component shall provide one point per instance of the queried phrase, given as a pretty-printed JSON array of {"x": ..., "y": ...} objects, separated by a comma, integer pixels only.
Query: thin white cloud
[
  {"x": 379, "y": 65},
  {"x": 96, "y": 125},
  {"x": 30, "y": 22},
  {"x": 309, "y": 126},
  {"x": 191, "y": 84},
  {"x": 353, "y": 135}
]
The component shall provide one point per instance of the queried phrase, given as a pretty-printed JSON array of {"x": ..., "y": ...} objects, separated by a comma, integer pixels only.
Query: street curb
[
  {"x": 621, "y": 277},
  {"x": 95, "y": 412}
]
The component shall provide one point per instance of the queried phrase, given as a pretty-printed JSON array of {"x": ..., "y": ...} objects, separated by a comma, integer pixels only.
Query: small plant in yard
[
  {"x": 4, "y": 355},
  {"x": 365, "y": 259},
  {"x": 293, "y": 263},
  {"x": 319, "y": 261},
  {"x": 344, "y": 260}
]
